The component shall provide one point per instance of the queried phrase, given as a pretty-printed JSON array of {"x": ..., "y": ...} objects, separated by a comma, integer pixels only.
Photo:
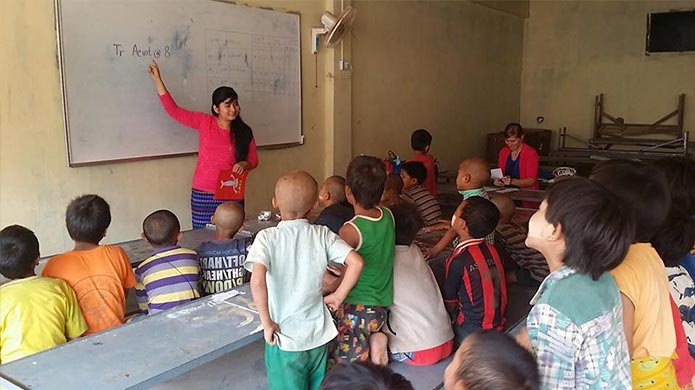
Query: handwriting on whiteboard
[{"x": 251, "y": 63}]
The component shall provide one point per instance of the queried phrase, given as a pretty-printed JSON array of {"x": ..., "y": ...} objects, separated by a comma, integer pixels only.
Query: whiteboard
[{"x": 111, "y": 108}]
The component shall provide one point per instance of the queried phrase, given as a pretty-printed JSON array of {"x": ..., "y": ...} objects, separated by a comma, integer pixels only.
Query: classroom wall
[
  {"x": 575, "y": 50},
  {"x": 453, "y": 67},
  {"x": 35, "y": 182}
]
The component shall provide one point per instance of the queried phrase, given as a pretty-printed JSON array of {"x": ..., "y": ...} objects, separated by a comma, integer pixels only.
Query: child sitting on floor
[
  {"x": 471, "y": 177},
  {"x": 99, "y": 274},
  {"x": 363, "y": 314},
  {"x": 475, "y": 291},
  {"x": 413, "y": 175},
  {"x": 512, "y": 237},
  {"x": 417, "y": 301},
  {"x": 393, "y": 191},
  {"x": 336, "y": 209},
  {"x": 169, "y": 277},
  {"x": 491, "y": 360},
  {"x": 420, "y": 142},
  {"x": 287, "y": 264},
  {"x": 35, "y": 313},
  {"x": 222, "y": 260}
]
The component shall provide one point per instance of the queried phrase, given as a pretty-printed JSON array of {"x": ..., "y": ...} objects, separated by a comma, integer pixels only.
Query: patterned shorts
[{"x": 355, "y": 324}]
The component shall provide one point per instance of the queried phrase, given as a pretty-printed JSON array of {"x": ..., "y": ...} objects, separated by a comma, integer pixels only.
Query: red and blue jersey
[{"x": 475, "y": 282}]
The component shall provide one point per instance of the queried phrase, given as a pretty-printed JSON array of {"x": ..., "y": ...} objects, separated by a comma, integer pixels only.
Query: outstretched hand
[{"x": 153, "y": 70}]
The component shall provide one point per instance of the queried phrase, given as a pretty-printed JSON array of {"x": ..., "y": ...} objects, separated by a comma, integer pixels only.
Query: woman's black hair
[{"x": 241, "y": 134}]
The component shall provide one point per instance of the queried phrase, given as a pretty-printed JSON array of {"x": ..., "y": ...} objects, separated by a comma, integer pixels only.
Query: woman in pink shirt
[
  {"x": 224, "y": 142},
  {"x": 518, "y": 161}
]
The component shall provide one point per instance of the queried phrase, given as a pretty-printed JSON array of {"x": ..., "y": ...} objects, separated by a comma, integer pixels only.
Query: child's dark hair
[
  {"x": 408, "y": 222},
  {"x": 597, "y": 232},
  {"x": 161, "y": 228},
  {"x": 513, "y": 130},
  {"x": 493, "y": 360},
  {"x": 241, "y": 134},
  {"x": 365, "y": 178},
  {"x": 680, "y": 177},
  {"x": 481, "y": 216},
  {"x": 415, "y": 169},
  {"x": 394, "y": 182},
  {"x": 675, "y": 238},
  {"x": 642, "y": 190},
  {"x": 420, "y": 140},
  {"x": 87, "y": 218},
  {"x": 19, "y": 249},
  {"x": 364, "y": 376}
]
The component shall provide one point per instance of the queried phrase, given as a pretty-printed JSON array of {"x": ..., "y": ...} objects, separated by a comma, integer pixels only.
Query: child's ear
[
  {"x": 557, "y": 233},
  {"x": 212, "y": 219},
  {"x": 316, "y": 204},
  {"x": 179, "y": 237},
  {"x": 274, "y": 203},
  {"x": 144, "y": 238}
]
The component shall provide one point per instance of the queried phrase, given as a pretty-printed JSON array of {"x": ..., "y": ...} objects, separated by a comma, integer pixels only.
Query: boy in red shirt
[{"x": 420, "y": 142}]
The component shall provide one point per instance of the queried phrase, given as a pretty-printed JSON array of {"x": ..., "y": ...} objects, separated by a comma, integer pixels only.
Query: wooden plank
[{"x": 143, "y": 353}]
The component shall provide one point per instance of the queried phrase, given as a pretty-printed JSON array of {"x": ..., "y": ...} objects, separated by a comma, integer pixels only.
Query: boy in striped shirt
[
  {"x": 169, "y": 277},
  {"x": 414, "y": 174}
]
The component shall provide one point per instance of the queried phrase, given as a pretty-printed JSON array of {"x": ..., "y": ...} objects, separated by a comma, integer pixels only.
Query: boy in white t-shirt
[{"x": 287, "y": 264}]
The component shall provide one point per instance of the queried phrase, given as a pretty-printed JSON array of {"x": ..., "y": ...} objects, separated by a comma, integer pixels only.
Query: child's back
[
  {"x": 99, "y": 277},
  {"x": 222, "y": 264},
  {"x": 36, "y": 314},
  {"x": 169, "y": 277},
  {"x": 296, "y": 254},
  {"x": 376, "y": 246},
  {"x": 420, "y": 142}
]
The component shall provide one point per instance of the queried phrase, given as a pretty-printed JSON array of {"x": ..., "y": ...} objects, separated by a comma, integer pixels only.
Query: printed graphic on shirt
[{"x": 222, "y": 265}]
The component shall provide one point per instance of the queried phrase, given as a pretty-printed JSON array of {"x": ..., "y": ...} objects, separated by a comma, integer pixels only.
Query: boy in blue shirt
[{"x": 222, "y": 260}]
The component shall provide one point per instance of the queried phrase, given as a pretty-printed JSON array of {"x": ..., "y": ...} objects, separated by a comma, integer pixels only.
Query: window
[{"x": 672, "y": 31}]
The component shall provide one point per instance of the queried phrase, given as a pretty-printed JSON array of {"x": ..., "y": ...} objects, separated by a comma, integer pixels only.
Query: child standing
[
  {"x": 413, "y": 175},
  {"x": 222, "y": 260},
  {"x": 641, "y": 276},
  {"x": 35, "y": 313},
  {"x": 372, "y": 234},
  {"x": 420, "y": 142},
  {"x": 287, "y": 264},
  {"x": 475, "y": 291},
  {"x": 169, "y": 277},
  {"x": 99, "y": 274},
  {"x": 575, "y": 326}
]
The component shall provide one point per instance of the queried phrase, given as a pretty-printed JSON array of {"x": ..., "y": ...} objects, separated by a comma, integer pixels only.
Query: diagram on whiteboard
[{"x": 252, "y": 63}]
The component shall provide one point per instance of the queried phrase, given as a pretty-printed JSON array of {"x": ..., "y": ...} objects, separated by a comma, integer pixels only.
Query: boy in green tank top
[{"x": 372, "y": 233}]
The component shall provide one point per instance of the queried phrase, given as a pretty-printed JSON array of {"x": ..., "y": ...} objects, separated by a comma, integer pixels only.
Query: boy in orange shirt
[
  {"x": 99, "y": 274},
  {"x": 420, "y": 142}
]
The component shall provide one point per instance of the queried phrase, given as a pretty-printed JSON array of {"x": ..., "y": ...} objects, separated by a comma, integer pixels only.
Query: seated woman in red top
[
  {"x": 224, "y": 142},
  {"x": 518, "y": 161}
]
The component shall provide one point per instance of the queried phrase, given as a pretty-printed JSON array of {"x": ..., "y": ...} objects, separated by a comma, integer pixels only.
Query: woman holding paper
[
  {"x": 518, "y": 161},
  {"x": 226, "y": 148}
]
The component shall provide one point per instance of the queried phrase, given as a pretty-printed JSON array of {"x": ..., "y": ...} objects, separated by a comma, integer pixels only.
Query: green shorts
[{"x": 303, "y": 370}]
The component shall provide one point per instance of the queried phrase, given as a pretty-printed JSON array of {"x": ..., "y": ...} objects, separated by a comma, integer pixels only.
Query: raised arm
[{"x": 187, "y": 118}]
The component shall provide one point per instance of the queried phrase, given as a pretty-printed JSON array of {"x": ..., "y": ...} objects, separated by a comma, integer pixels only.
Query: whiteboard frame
[{"x": 64, "y": 101}]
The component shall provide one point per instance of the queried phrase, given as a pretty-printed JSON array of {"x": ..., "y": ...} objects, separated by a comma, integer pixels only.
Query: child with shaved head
[
  {"x": 222, "y": 259},
  {"x": 287, "y": 264},
  {"x": 337, "y": 210}
]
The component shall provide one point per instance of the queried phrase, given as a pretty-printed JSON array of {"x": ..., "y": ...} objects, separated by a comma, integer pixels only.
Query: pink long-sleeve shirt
[{"x": 215, "y": 151}]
